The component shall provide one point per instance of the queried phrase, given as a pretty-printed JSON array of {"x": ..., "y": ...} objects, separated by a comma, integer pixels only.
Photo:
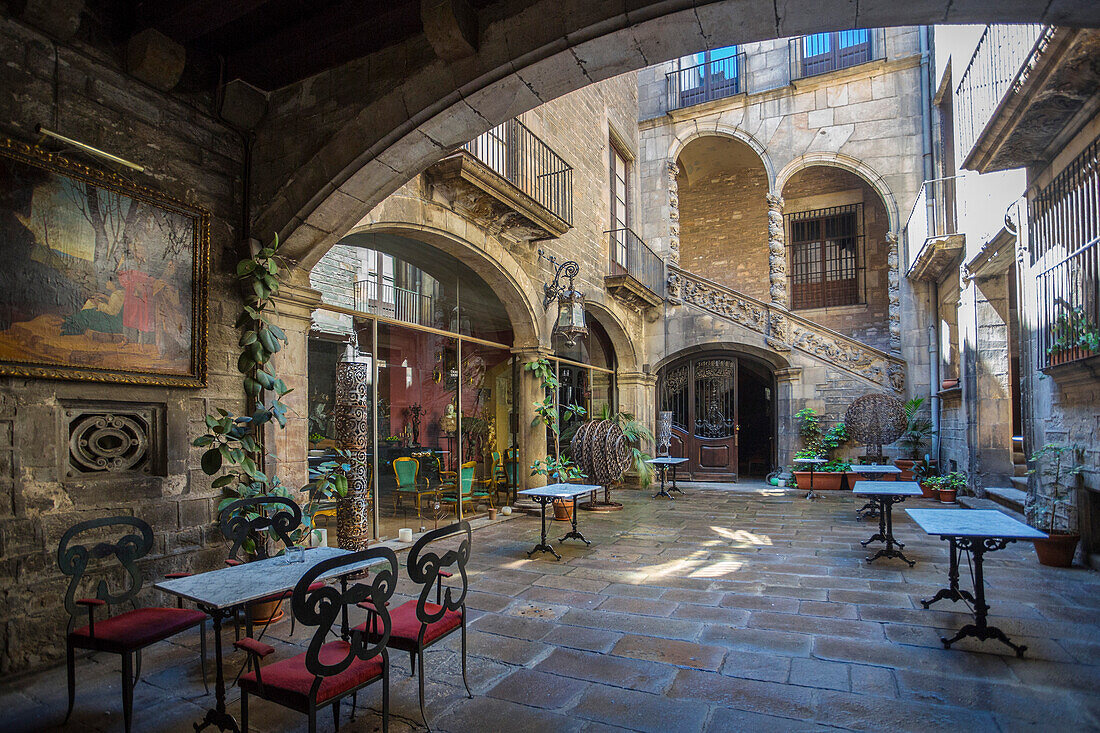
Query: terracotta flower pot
[
  {"x": 563, "y": 510},
  {"x": 1057, "y": 550},
  {"x": 261, "y": 612},
  {"x": 852, "y": 477},
  {"x": 906, "y": 466},
  {"x": 949, "y": 384},
  {"x": 947, "y": 496},
  {"x": 823, "y": 480},
  {"x": 928, "y": 492}
]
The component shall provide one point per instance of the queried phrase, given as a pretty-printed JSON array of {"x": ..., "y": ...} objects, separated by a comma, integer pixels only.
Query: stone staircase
[
  {"x": 785, "y": 331},
  {"x": 1008, "y": 500}
]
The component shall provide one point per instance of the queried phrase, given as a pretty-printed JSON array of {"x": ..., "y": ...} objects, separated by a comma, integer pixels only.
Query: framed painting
[{"x": 102, "y": 279}]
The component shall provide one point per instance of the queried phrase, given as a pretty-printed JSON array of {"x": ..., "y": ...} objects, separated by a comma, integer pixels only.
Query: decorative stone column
[
  {"x": 893, "y": 292},
  {"x": 532, "y": 438},
  {"x": 777, "y": 253},
  {"x": 352, "y": 418},
  {"x": 673, "y": 214},
  {"x": 638, "y": 396}
]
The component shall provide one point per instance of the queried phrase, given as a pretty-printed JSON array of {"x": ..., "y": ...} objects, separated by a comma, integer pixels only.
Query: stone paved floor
[{"x": 720, "y": 611}]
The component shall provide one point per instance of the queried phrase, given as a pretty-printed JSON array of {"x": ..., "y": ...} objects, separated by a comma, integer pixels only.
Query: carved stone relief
[
  {"x": 109, "y": 438},
  {"x": 894, "y": 292},
  {"x": 777, "y": 253},
  {"x": 673, "y": 215}
]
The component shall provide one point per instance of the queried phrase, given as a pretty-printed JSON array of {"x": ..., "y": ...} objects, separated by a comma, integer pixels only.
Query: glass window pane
[{"x": 488, "y": 424}]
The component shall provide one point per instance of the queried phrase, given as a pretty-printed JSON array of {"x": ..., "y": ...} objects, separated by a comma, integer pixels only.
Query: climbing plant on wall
[{"x": 235, "y": 448}]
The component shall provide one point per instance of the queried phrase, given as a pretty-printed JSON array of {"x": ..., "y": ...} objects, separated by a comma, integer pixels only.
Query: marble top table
[
  {"x": 868, "y": 470},
  {"x": 812, "y": 463},
  {"x": 976, "y": 531},
  {"x": 662, "y": 464},
  {"x": 221, "y": 592},
  {"x": 545, "y": 495},
  {"x": 882, "y": 496}
]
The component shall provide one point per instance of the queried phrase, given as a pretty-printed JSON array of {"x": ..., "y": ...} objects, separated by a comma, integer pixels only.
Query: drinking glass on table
[{"x": 295, "y": 554}]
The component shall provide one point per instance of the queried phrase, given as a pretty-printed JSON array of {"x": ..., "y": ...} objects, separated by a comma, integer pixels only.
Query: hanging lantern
[
  {"x": 352, "y": 417},
  {"x": 570, "y": 324}
]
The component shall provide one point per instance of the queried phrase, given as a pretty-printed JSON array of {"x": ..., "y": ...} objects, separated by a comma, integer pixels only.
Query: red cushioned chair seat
[
  {"x": 288, "y": 681},
  {"x": 406, "y": 626},
  {"x": 136, "y": 629}
]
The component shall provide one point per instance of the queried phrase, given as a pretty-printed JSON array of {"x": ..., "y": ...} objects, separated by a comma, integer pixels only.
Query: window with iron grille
[{"x": 824, "y": 256}]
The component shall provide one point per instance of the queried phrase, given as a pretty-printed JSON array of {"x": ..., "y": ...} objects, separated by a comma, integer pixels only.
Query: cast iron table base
[
  {"x": 885, "y": 504},
  {"x": 952, "y": 593},
  {"x": 980, "y": 629},
  {"x": 662, "y": 468},
  {"x": 218, "y": 716},
  {"x": 543, "y": 545}
]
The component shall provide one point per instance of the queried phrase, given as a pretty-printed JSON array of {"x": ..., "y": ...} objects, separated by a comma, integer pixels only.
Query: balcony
[
  {"x": 1064, "y": 242},
  {"x": 1023, "y": 86},
  {"x": 510, "y": 181},
  {"x": 715, "y": 79},
  {"x": 382, "y": 297},
  {"x": 636, "y": 275},
  {"x": 933, "y": 244},
  {"x": 821, "y": 53}
]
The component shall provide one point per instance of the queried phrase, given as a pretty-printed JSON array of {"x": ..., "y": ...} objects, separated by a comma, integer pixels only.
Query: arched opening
[
  {"x": 837, "y": 252},
  {"x": 723, "y": 406},
  {"x": 435, "y": 341},
  {"x": 722, "y": 183}
]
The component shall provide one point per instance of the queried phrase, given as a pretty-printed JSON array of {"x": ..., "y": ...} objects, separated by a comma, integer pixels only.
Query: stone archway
[{"x": 388, "y": 130}]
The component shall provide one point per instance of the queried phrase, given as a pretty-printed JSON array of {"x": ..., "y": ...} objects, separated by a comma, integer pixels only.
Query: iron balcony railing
[
  {"x": 1001, "y": 53},
  {"x": 630, "y": 255},
  {"x": 1069, "y": 307},
  {"x": 821, "y": 53},
  {"x": 714, "y": 79},
  {"x": 518, "y": 156},
  {"x": 386, "y": 299},
  {"x": 933, "y": 213},
  {"x": 1063, "y": 233}
]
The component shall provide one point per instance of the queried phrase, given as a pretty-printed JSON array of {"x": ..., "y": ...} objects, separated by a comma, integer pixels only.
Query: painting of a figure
[{"x": 101, "y": 279}]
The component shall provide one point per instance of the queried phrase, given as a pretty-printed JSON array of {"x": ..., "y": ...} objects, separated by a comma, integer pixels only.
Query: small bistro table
[
  {"x": 545, "y": 495},
  {"x": 872, "y": 471},
  {"x": 978, "y": 531},
  {"x": 812, "y": 463},
  {"x": 221, "y": 593},
  {"x": 884, "y": 494},
  {"x": 662, "y": 465}
]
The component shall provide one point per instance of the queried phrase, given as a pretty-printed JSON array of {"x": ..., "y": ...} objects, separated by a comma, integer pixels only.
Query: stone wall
[{"x": 188, "y": 154}]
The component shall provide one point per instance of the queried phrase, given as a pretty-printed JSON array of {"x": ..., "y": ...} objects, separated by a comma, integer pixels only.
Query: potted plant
[
  {"x": 556, "y": 468},
  {"x": 819, "y": 444},
  {"x": 918, "y": 431},
  {"x": 1053, "y": 511},
  {"x": 950, "y": 486},
  {"x": 1072, "y": 335},
  {"x": 924, "y": 472}
]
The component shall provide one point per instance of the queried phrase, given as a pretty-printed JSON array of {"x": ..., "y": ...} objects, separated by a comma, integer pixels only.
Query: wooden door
[{"x": 701, "y": 393}]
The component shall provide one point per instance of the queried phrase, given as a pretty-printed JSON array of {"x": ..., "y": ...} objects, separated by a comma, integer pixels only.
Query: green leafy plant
[
  {"x": 637, "y": 435},
  {"x": 818, "y": 444},
  {"x": 1058, "y": 468},
  {"x": 918, "y": 428},
  {"x": 836, "y": 466},
  {"x": 1073, "y": 329},
  {"x": 234, "y": 445}
]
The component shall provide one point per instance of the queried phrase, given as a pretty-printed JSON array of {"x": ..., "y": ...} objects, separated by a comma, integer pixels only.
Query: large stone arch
[
  {"x": 497, "y": 268},
  {"x": 852, "y": 165},
  {"x": 626, "y": 352},
  {"x": 719, "y": 129},
  {"x": 314, "y": 190}
]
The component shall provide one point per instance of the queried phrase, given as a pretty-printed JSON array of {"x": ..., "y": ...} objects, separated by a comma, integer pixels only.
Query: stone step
[
  {"x": 1009, "y": 498},
  {"x": 973, "y": 502},
  {"x": 1019, "y": 457},
  {"x": 1019, "y": 469},
  {"x": 1019, "y": 482}
]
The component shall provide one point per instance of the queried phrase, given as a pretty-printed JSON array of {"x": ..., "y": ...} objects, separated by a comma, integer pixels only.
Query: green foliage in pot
[
  {"x": 1058, "y": 468},
  {"x": 835, "y": 466},
  {"x": 547, "y": 413},
  {"x": 918, "y": 428},
  {"x": 234, "y": 444},
  {"x": 1073, "y": 329},
  {"x": 817, "y": 443}
]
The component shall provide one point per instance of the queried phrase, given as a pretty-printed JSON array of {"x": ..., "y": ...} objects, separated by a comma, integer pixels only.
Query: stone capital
[{"x": 296, "y": 302}]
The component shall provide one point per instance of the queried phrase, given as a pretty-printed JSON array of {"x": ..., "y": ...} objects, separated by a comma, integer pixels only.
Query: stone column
[
  {"x": 638, "y": 396},
  {"x": 292, "y": 312},
  {"x": 673, "y": 215},
  {"x": 532, "y": 438},
  {"x": 893, "y": 285},
  {"x": 789, "y": 387},
  {"x": 777, "y": 253}
]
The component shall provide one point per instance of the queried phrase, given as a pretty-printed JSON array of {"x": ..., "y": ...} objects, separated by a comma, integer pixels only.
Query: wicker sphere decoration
[
  {"x": 875, "y": 420},
  {"x": 600, "y": 451}
]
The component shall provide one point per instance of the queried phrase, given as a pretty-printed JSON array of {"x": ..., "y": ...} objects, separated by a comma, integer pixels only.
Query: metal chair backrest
[
  {"x": 73, "y": 559},
  {"x": 406, "y": 470},
  {"x": 424, "y": 566},
  {"x": 240, "y": 518},
  {"x": 327, "y": 606},
  {"x": 467, "y": 479}
]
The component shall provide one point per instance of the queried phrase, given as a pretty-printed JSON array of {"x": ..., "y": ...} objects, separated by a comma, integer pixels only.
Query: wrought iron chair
[
  {"x": 328, "y": 671},
  {"x": 126, "y": 633},
  {"x": 407, "y": 472},
  {"x": 420, "y": 624},
  {"x": 467, "y": 493},
  {"x": 242, "y": 517}
]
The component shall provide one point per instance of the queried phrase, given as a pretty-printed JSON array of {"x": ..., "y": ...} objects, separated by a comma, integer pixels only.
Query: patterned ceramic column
[
  {"x": 352, "y": 417},
  {"x": 777, "y": 253},
  {"x": 894, "y": 292}
]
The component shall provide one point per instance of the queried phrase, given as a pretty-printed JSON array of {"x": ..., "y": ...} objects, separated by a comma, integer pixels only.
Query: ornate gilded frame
[{"x": 58, "y": 165}]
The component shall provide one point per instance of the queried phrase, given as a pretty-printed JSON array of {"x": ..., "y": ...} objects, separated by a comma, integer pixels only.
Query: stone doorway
[{"x": 723, "y": 416}]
